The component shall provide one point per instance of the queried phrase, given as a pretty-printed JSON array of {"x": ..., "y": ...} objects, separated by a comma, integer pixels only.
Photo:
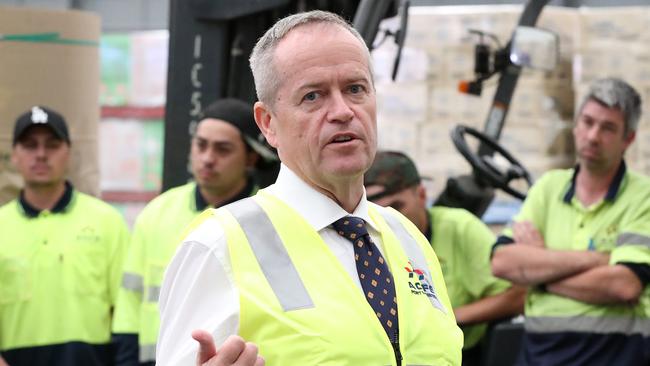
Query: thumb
[{"x": 207, "y": 348}]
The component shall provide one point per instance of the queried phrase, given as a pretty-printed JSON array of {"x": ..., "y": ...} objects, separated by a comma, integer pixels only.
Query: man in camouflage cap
[{"x": 461, "y": 241}]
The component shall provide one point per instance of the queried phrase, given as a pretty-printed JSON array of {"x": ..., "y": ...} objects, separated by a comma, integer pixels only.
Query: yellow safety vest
[{"x": 300, "y": 306}]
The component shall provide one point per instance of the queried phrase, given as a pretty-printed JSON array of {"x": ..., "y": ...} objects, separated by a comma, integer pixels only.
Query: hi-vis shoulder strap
[
  {"x": 271, "y": 255},
  {"x": 282, "y": 275},
  {"x": 415, "y": 254}
]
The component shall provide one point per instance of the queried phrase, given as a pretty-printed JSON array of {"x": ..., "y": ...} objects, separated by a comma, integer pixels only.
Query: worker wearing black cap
[
  {"x": 226, "y": 147},
  {"x": 60, "y": 256}
]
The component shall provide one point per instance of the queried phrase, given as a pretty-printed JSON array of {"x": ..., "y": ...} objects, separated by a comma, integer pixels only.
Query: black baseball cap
[
  {"x": 393, "y": 171},
  {"x": 240, "y": 114},
  {"x": 41, "y": 116}
]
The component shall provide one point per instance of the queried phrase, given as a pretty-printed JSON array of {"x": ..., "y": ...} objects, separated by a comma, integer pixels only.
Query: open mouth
[{"x": 342, "y": 139}]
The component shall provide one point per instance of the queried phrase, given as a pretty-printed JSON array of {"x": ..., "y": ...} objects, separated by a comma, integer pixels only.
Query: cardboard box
[
  {"x": 614, "y": 24},
  {"x": 149, "y": 53},
  {"x": 115, "y": 62},
  {"x": 398, "y": 135},
  {"x": 131, "y": 154},
  {"x": 533, "y": 101},
  {"x": 446, "y": 103},
  {"x": 629, "y": 61},
  {"x": 563, "y": 21},
  {"x": 431, "y": 27},
  {"x": 51, "y": 57},
  {"x": 403, "y": 101},
  {"x": 543, "y": 138},
  {"x": 435, "y": 138}
]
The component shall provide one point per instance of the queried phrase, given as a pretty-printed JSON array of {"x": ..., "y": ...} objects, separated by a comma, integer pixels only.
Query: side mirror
[{"x": 535, "y": 48}]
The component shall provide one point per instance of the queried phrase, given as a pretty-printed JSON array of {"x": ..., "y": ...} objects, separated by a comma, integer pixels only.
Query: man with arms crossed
[
  {"x": 582, "y": 244},
  {"x": 308, "y": 271}
]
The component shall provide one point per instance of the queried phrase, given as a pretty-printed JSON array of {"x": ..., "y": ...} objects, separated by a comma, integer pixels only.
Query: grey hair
[
  {"x": 266, "y": 78},
  {"x": 616, "y": 93}
]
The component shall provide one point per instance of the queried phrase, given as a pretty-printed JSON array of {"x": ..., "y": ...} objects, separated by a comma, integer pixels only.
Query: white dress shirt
[{"x": 199, "y": 290}]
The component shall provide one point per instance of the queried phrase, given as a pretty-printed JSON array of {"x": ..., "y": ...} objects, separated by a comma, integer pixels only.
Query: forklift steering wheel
[{"x": 485, "y": 167}]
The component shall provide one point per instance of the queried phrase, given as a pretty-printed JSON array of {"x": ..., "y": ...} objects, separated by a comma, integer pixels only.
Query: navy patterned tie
[{"x": 374, "y": 275}]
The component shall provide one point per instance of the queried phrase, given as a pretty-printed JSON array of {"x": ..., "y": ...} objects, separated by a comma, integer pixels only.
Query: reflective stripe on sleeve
[
  {"x": 271, "y": 255},
  {"x": 633, "y": 239},
  {"x": 414, "y": 253},
  {"x": 153, "y": 293},
  {"x": 147, "y": 353},
  {"x": 133, "y": 282}
]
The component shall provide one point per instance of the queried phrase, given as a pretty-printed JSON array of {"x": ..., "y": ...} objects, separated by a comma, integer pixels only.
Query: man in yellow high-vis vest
[
  {"x": 61, "y": 256},
  {"x": 225, "y": 149},
  {"x": 308, "y": 272}
]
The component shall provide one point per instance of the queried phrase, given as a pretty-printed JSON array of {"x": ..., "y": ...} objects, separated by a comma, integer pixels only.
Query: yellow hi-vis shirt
[
  {"x": 156, "y": 235},
  {"x": 463, "y": 243},
  {"x": 59, "y": 275},
  {"x": 300, "y": 306},
  {"x": 620, "y": 225}
]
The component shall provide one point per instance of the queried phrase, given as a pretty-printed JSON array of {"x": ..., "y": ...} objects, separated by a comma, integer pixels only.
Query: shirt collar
[
  {"x": 316, "y": 208},
  {"x": 612, "y": 191},
  {"x": 201, "y": 204},
  {"x": 60, "y": 206}
]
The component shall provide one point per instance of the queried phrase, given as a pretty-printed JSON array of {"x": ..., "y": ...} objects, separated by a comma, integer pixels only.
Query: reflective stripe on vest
[
  {"x": 600, "y": 325},
  {"x": 271, "y": 255},
  {"x": 133, "y": 282},
  {"x": 414, "y": 253},
  {"x": 277, "y": 266},
  {"x": 632, "y": 239},
  {"x": 147, "y": 353}
]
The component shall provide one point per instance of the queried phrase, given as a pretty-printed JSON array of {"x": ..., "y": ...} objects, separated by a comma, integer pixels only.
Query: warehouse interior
[
  {"x": 437, "y": 54},
  {"x": 132, "y": 78}
]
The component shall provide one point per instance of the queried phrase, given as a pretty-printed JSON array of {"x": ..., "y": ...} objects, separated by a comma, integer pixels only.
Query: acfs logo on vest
[{"x": 418, "y": 283}]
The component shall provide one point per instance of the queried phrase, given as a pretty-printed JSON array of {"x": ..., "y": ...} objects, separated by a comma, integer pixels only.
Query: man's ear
[
  {"x": 421, "y": 194},
  {"x": 251, "y": 161},
  {"x": 265, "y": 122},
  {"x": 14, "y": 161},
  {"x": 629, "y": 139}
]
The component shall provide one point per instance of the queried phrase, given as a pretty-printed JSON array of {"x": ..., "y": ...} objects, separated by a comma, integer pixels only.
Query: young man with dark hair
[{"x": 226, "y": 148}]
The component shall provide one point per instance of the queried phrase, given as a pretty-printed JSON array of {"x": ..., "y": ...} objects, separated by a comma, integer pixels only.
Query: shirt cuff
[
  {"x": 501, "y": 240},
  {"x": 641, "y": 270}
]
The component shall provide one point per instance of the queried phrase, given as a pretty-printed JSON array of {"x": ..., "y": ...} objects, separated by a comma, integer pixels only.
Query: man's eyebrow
[
  {"x": 357, "y": 79},
  {"x": 352, "y": 79},
  {"x": 311, "y": 85},
  {"x": 221, "y": 143}
]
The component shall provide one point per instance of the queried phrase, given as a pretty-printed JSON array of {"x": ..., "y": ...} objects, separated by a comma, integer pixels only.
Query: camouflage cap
[{"x": 393, "y": 171}]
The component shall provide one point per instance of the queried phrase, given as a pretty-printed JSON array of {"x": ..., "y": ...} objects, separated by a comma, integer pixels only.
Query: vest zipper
[{"x": 395, "y": 343}]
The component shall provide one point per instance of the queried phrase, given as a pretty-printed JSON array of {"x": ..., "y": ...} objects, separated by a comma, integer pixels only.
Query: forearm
[
  {"x": 506, "y": 304},
  {"x": 3, "y": 362},
  {"x": 531, "y": 265},
  {"x": 602, "y": 285}
]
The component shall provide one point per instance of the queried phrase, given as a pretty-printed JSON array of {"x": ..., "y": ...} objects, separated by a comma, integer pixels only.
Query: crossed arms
[{"x": 580, "y": 275}]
